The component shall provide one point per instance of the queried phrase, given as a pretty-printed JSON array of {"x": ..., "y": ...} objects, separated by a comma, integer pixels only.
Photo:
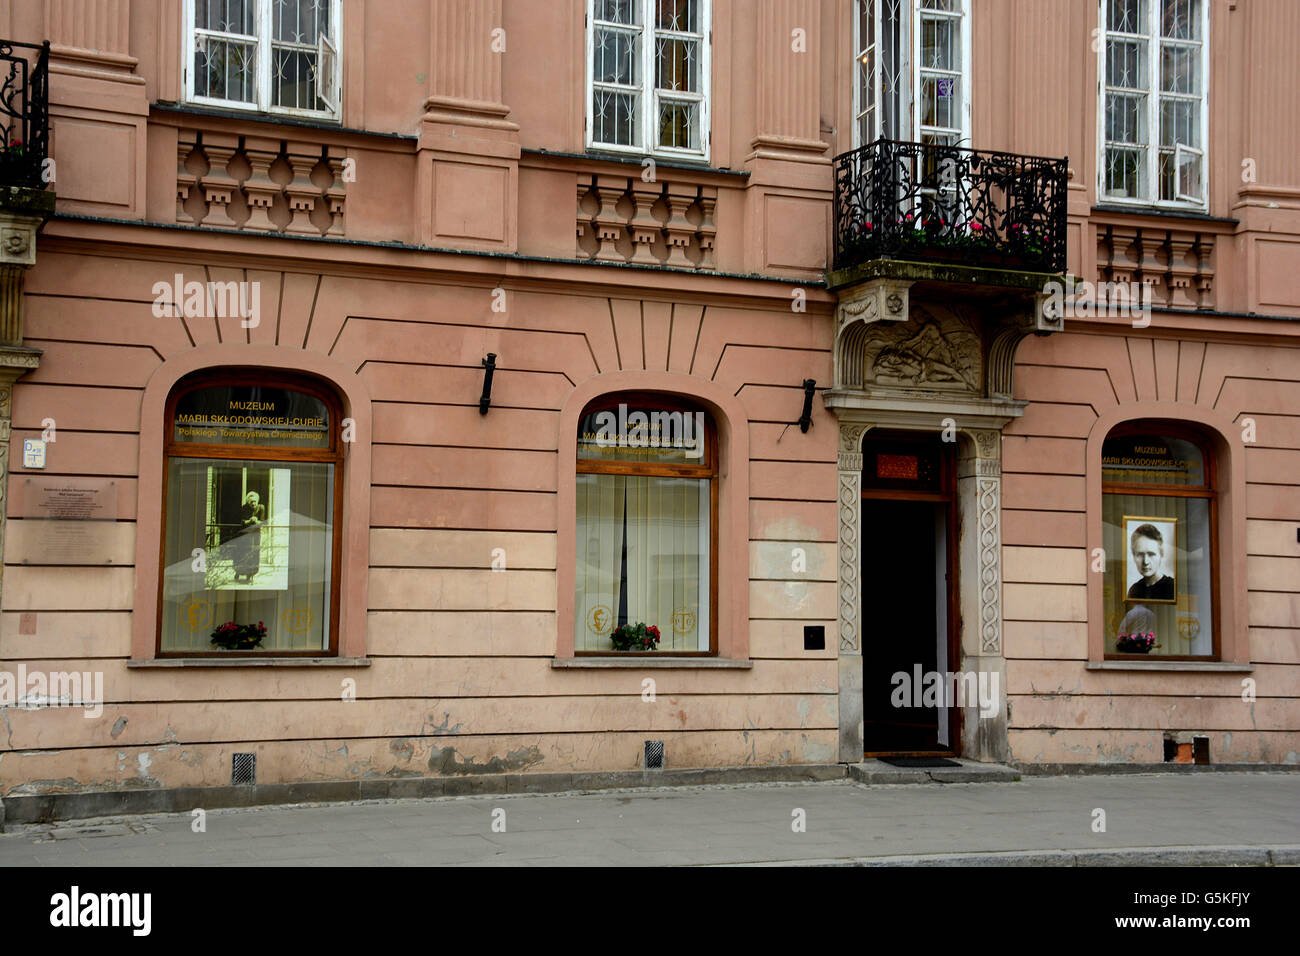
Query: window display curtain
[
  {"x": 663, "y": 558},
  {"x": 659, "y": 520},
  {"x": 1182, "y": 628},
  {"x": 601, "y": 500}
]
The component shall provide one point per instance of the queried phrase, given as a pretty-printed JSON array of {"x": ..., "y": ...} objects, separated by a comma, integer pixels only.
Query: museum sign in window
[
  {"x": 1159, "y": 518},
  {"x": 646, "y": 524},
  {"x": 251, "y": 507}
]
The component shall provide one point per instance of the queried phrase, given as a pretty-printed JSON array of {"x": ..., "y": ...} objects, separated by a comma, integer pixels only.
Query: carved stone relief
[
  {"x": 925, "y": 353},
  {"x": 989, "y": 498},
  {"x": 850, "y": 556},
  {"x": 929, "y": 352}
]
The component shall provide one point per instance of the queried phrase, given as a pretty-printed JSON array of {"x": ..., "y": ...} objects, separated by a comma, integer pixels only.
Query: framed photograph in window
[{"x": 1151, "y": 575}]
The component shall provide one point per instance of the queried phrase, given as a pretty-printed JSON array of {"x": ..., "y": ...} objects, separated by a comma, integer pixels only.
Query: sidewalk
[{"x": 1167, "y": 818}]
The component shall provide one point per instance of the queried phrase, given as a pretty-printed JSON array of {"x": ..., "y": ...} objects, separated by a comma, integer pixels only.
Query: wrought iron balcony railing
[
  {"x": 924, "y": 202},
  {"x": 24, "y": 114}
]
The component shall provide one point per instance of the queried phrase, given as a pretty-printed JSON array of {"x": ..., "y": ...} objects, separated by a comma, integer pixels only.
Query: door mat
[{"x": 919, "y": 762}]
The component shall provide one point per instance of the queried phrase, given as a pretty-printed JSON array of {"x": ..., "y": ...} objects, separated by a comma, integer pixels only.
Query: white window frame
[
  {"x": 1154, "y": 96},
  {"x": 648, "y": 94},
  {"x": 911, "y": 45},
  {"x": 333, "y": 44}
]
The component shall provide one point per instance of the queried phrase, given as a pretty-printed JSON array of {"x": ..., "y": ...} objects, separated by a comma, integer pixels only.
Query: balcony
[
  {"x": 24, "y": 114},
  {"x": 935, "y": 205}
]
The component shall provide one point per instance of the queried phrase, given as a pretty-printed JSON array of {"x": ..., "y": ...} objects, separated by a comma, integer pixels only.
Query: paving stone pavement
[{"x": 736, "y": 824}]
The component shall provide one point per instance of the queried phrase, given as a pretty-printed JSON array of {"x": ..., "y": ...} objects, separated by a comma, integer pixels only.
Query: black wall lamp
[
  {"x": 489, "y": 366},
  {"x": 805, "y": 420}
]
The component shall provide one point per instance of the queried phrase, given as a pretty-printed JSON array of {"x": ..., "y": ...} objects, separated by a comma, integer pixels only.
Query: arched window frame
[
  {"x": 1158, "y": 428},
  {"x": 333, "y": 454},
  {"x": 731, "y": 421},
  {"x": 610, "y": 401}
]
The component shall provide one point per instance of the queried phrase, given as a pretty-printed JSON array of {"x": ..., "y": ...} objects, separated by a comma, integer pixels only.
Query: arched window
[
  {"x": 252, "y": 503},
  {"x": 647, "y": 510},
  {"x": 1159, "y": 511}
]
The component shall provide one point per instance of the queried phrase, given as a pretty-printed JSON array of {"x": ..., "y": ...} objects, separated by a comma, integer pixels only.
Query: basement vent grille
[
  {"x": 243, "y": 769},
  {"x": 654, "y": 755}
]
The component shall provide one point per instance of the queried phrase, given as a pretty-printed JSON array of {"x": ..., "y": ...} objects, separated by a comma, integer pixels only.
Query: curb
[
  {"x": 1090, "y": 769},
  {"x": 1119, "y": 856},
  {"x": 57, "y": 807},
  {"x": 54, "y": 807}
]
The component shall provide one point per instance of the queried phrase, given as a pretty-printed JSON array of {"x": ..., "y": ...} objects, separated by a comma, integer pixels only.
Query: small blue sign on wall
[{"x": 33, "y": 453}]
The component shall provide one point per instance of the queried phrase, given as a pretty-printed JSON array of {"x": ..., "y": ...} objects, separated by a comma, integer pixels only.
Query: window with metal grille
[
  {"x": 648, "y": 76},
  {"x": 912, "y": 71},
  {"x": 1152, "y": 114},
  {"x": 278, "y": 56}
]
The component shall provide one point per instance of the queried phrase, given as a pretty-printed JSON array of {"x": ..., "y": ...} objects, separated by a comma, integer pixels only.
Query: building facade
[{"x": 907, "y": 366}]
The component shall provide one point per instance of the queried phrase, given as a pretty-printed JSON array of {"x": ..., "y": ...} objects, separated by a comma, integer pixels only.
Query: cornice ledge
[
  {"x": 789, "y": 148},
  {"x": 853, "y": 405},
  {"x": 467, "y": 112},
  {"x": 101, "y": 63}
]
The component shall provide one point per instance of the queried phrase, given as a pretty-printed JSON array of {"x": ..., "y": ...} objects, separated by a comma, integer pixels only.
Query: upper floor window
[
  {"x": 647, "y": 525},
  {"x": 252, "y": 500},
  {"x": 277, "y": 56},
  {"x": 1159, "y": 512},
  {"x": 648, "y": 76},
  {"x": 912, "y": 71},
  {"x": 1153, "y": 112}
]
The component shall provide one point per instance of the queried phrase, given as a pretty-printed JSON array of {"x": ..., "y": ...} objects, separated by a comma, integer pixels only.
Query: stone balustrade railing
[
  {"x": 625, "y": 219},
  {"x": 258, "y": 184}
]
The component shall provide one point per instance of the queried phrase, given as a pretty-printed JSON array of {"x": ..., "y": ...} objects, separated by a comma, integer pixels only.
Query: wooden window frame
[
  {"x": 332, "y": 455},
  {"x": 647, "y": 92},
  {"x": 656, "y": 401},
  {"x": 1208, "y": 491},
  {"x": 1155, "y": 97},
  {"x": 910, "y": 48},
  {"x": 265, "y": 65}
]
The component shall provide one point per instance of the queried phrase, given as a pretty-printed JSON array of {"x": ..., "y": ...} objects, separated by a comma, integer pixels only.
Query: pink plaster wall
[{"x": 460, "y": 671}]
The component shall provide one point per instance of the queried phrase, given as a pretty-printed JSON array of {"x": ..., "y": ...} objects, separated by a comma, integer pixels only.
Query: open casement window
[
  {"x": 1153, "y": 120},
  {"x": 912, "y": 71},
  {"x": 1160, "y": 515},
  {"x": 648, "y": 77},
  {"x": 251, "y": 505},
  {"x": 647, "y": 487},
  {"x": 275, "y": 56}
]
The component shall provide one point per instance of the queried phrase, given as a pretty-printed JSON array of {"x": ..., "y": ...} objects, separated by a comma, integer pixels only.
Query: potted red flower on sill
[
  {"x": 635, "y": 637},
  {"x": 239, "y": 637}
]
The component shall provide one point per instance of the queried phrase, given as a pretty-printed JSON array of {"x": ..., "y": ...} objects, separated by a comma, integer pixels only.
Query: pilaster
[
  {"x": 468, "y": 159},
  {"x": 979, "y": 492},
  {"x": 849, "y": 551},
  {"x": 789, "y": 187},
  {"x": 17, "y": 255},
  {"x": 99, "y": 109}
]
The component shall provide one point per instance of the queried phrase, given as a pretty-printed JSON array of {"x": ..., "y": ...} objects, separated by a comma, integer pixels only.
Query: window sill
[
  {"x": 171, "y": 662},
  {"x": 629, "y": 160},
  {"x": 1135, "y": 208},
  {"x": 640, "y": 662},
  {"x": 271, "y": 119},
  {"x": 1221, "y": 667}
]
